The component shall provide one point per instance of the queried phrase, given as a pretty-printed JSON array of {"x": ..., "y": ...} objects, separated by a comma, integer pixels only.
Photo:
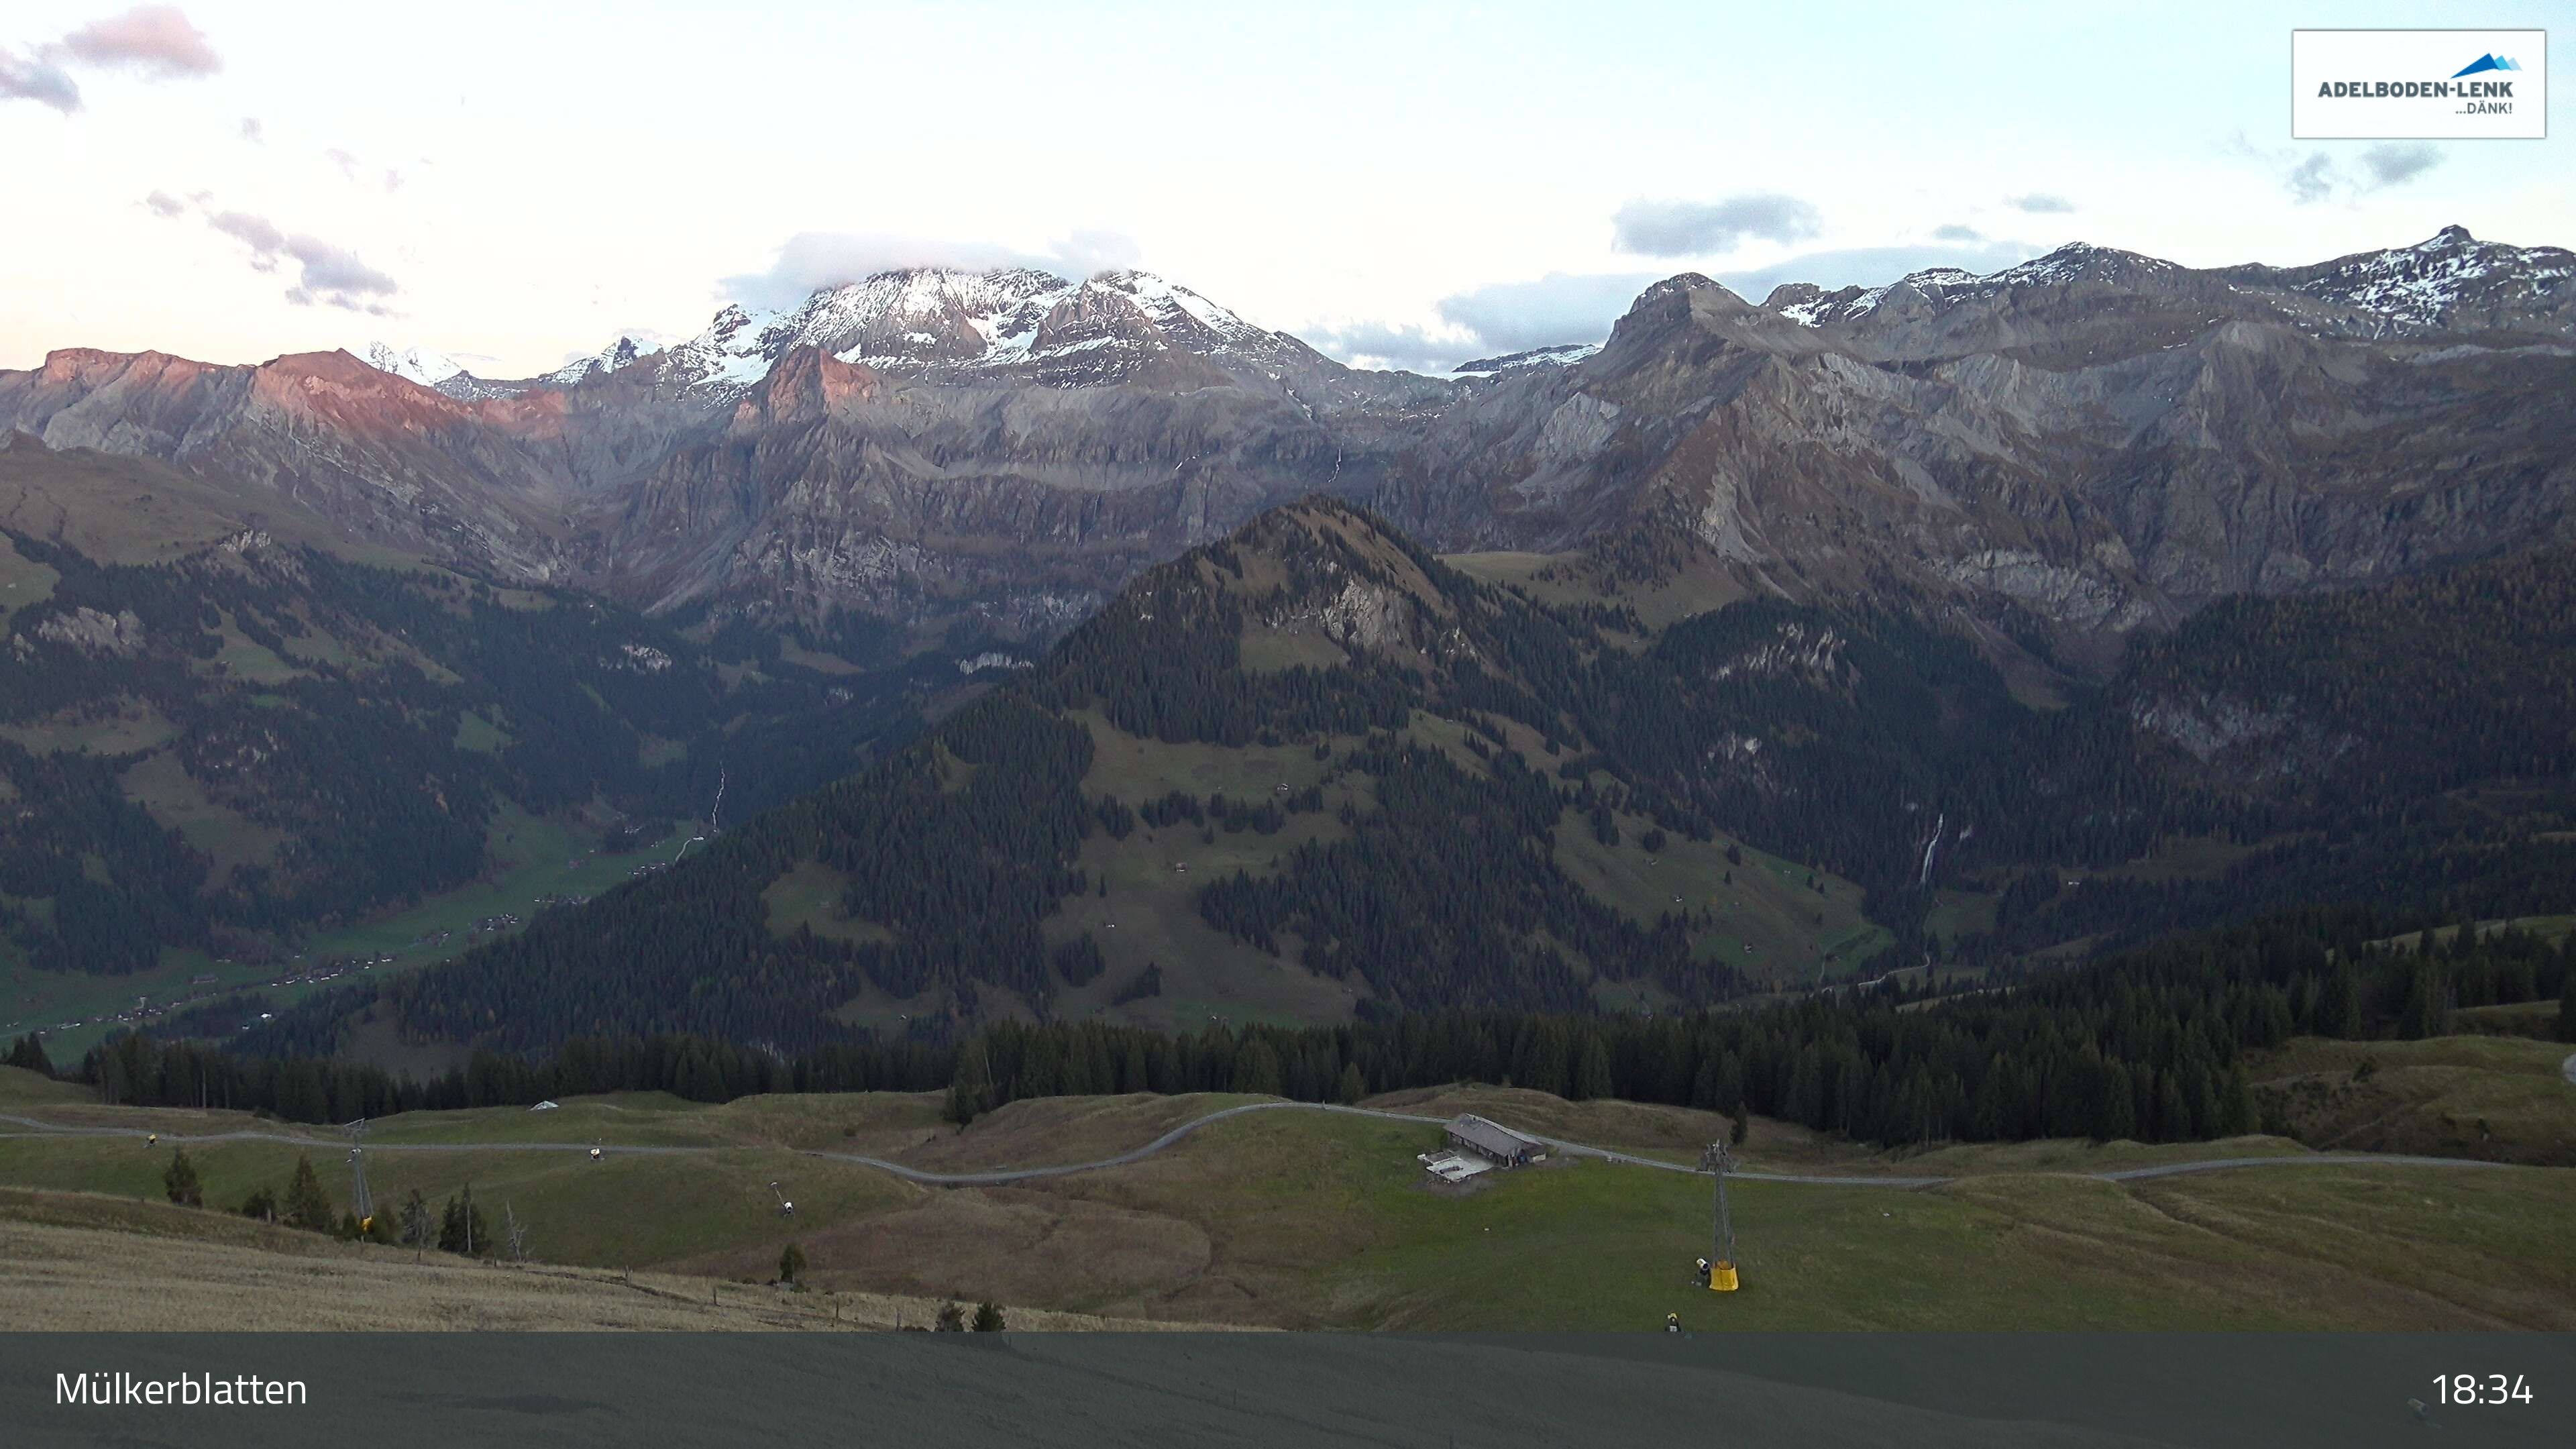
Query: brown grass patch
[
  {"x": 84, "y": 1263},
  {"x": 1007, "y": 1245}
]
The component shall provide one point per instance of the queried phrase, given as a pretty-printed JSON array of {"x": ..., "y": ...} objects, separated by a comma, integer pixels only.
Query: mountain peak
[
  {"x": 805, "y": 384},
  {"x": 606, "y": 360},
  {"x": 412, "y": 364},
  {"x": 1678, "y": 285}
]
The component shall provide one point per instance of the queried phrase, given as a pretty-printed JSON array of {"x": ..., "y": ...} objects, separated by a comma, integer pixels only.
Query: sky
[{"x": 514, "y": 185}]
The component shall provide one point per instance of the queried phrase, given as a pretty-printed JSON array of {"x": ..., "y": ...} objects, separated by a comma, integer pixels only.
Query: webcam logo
[
  {"x": 2404, "y": 85},
  {"x": 2485, "y": 63}
]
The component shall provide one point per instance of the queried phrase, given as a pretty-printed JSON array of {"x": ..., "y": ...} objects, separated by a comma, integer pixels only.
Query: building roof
[{"x": 1492, "y": 1138}]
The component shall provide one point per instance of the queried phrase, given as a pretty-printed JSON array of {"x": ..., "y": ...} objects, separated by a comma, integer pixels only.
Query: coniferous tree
[
  {"x": 970, "y": 1088},
  {"x": 1256, "y": 1069},
  {"x": 1591, "y": 1070},
  {"x": 417, "y": 1230},
  {"x": 952, "y": 1318},
  {"x": 2339, "y": 1006},
  {"x": 2235, "y": 1104},
  {"x": 461, "y": 1227},
  {"x": 2428, "y": 1007},
  {"x": 988, "y": 1317},
  {"x": 306, "y": 1205},
  {"x": 28, "y": 1053},
  {"x": 180, "y": 1181},
  {"x": 791, "y": 1265}
]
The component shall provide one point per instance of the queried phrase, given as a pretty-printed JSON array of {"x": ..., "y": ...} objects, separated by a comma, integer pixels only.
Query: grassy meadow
[{"x": 1308, "y": 1220}]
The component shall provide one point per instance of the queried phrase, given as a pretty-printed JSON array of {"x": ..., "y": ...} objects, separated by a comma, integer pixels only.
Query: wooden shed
[{"x": 1494, "y": 1142}]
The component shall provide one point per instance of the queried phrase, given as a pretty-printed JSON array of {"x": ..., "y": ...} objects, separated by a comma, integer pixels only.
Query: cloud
[
  {"x": 155, "y": 40},
  {"x": 811, "y": 260},
  {"x": 356, "y": 170},
  {"x": 333, "y": 273},
  {"x": 1957, "y": 233},
  {"x": 1088, "y": 253},
  {"x": 1488, "y": 321},
  {"x": 33, "y": 78},
  {"x": 1506, "y": 317},
  {"x": 1517, "y": 316},
  {"x": 252, "y": 231},
  {"x": 2312, "y": 180},
  {"x": 251, "y": 132},
  {"x": 2040, "y": 203},
  {"x": 2395, "y": 165},
  {"x": 327, "y": 275},
  {"x": 163, "y": 204},
  {"x": 1704, "y": 228},
  {"x": 2317, "y": 177},
  {"x": 1407, "y": 347}
]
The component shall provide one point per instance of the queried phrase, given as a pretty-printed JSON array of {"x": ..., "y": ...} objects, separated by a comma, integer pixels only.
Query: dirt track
[{"x": 995, "y": 1176}]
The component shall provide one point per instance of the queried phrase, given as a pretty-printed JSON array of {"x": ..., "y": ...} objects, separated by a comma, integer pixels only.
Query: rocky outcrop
[{"x": 95, "y": 633}]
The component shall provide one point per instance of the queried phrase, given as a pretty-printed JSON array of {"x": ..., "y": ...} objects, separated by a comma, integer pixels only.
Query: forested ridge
[
  {"x": 343, "y": 735},
  {"x": 1869, "y": 741},
  {"x": 2147, "y": 1046}
]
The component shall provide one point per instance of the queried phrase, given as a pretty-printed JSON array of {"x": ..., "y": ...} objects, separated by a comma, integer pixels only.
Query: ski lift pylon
[{"x": 1720, "y": 1273}]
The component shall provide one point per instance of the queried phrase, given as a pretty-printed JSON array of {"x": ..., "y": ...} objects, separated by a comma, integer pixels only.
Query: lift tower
[
  {"x": 361, "y": 1206},
  {"x": 1722, "y": 1277}
]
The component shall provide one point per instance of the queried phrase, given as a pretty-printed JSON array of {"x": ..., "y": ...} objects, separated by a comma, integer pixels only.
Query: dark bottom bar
[{"x": 2210, "y": 1391}]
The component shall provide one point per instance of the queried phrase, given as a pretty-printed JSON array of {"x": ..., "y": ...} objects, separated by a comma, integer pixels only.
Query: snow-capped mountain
[
  {"x": 606, "y": 360},
  {"x": 437, "y": 371},
  {"x": 2095, "y": 438},
  {"x": 1018, "y": 324},
  {"x": 957, "y": 325},
  {"x": 1941, "y": 288},
  {"x": 413, "y": 364},
  {"x": 2449, "y": 282},
  {"x": 1564, "y": 354}
]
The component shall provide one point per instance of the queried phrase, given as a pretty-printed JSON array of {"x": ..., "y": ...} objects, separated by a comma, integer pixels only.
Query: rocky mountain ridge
[{"x": 2065, "y": 450}]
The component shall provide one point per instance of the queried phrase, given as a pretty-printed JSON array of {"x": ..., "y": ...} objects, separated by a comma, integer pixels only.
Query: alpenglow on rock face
[{"x": 2082, "y": 444}]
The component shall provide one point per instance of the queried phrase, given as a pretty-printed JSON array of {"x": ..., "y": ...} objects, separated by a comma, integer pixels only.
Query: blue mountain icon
[{"x": 2484, "y": 63}]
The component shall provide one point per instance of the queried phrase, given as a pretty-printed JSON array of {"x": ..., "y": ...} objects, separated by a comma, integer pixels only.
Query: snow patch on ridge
[{"x": 413, "y": 364}]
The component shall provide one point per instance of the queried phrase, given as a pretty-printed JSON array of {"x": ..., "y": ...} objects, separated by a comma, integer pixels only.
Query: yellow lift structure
[{"x": 1720, "y": 1274}]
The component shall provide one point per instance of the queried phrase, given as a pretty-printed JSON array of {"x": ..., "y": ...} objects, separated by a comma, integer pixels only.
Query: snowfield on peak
[
  {"x": 958, "y": 323},
  {"x": 412, "y": 364},
  {"x": 2420, "y": 288},
  {"x": 1944, "y": 287},
  {"x": 2448, "y": 282},
  {"x": 1164, "y": 303},
  {"x": 1564, "y": 354},
  {"x": 601, "y": 363}
]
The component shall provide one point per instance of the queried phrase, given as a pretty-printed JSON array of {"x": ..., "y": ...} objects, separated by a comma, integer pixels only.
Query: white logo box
[{"x": 2407, "y": 85}]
